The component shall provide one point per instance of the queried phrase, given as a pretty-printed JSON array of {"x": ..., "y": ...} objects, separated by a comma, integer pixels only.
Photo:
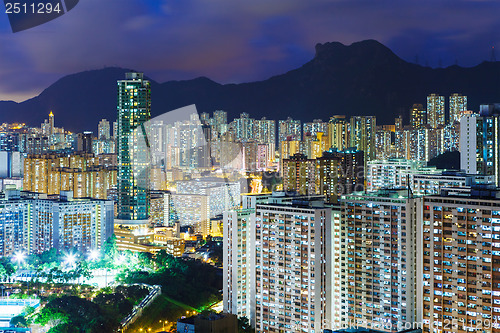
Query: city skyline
[
  {"x": 284, "y": 166},
  {"x": 320, "y": 225}
]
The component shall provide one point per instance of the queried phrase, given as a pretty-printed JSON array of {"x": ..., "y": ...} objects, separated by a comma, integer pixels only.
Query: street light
[
  {"x": 94, "y": 255},
  {"x": 70, "y": 259},
  {"x": 19, "y": 257}
]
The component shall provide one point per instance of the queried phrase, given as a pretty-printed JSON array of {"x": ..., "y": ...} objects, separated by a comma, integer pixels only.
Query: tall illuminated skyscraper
[
  {"x": 51, "y": 123},
  {"x": 103, "y": 130},
  {"x": 315, "y": 127},
  {"x": 435, "y": 110},
  {"x": 418, "y": 116},
  {"x": 363, "y": 129},
  {"x": 134, "y": 110},
  {"x": 479, "y": 143},
  {"x": 380, "y": 274},
  {"x": 458, "y": 103},
  {"x": 220, "y": 122},
  {"x": 338, "y": 132},
  {"x": 457, "y": 261},
  {"x": 289, "y": 130}
]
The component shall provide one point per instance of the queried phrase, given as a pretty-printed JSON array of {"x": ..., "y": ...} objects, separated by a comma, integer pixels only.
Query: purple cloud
[{"x": 236, "y": 41}]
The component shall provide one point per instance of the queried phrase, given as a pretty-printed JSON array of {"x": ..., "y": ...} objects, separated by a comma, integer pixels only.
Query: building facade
[
  {"x": 292, "y": 247},
  {"x": 134, "y": 110},
  {"x": 239, "y": 263},
  {"x": 380, "y": 275},
  {"x": 435, "y": 110},
  {"x": 458, "y": 288}
]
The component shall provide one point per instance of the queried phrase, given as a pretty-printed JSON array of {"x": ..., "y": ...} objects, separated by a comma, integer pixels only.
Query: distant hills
[{"x": 364, "y": 78}]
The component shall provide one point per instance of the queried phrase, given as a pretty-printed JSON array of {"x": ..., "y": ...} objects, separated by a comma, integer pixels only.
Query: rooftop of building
[
  {"x": 393, "y": 193},
  {"x": 477, "y": 191},
  {"x": 64, "y": 196},
  {"x": 206, "y": 180},
  {"x": 296, "y": 200},
  {"x": 474, "y": 191},
  {"x": 452, "y": 173}
]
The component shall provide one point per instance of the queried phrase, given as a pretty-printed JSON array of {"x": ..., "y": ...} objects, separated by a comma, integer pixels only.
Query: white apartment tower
[
  {"x": 292, "y": 265},
  {"x": 435, "y": 110},
  {"x": 381, "y": 241},
  {"x": 458, "y": 104},
  {"x": 239, "y": 263}
]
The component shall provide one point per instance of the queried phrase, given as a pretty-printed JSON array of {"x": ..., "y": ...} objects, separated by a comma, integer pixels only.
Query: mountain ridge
[{"x": 364, "y": 78}]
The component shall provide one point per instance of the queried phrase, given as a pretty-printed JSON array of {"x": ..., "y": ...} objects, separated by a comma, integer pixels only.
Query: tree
[
  {"x": 244, "y": 325},
  {"x": 49, "y": 256},
  {"x": 18, "y": 321},
  {"x": 6, "y": 267},
  {"x": 50, "y": 316},
  {"x": 110, "y": 251}
]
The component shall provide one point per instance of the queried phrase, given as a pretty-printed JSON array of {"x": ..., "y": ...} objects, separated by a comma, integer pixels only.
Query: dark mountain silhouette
[{"x": 365, "y": 78}]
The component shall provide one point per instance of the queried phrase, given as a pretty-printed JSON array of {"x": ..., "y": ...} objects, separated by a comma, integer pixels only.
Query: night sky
[{"x": 236, "y": 40}]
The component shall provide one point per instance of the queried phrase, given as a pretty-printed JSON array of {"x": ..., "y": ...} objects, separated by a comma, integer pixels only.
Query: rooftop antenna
[{"x": 493, "y": 57}]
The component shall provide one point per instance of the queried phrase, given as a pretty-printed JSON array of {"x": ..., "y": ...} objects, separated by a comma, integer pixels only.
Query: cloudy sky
[{"x": 236, "y": 40}]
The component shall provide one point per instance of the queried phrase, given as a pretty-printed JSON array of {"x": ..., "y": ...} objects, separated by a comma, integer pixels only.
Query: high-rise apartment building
[
  {"x": 290, "y": 148},
  {"x": 299, "y": 174},
  {"x": 265, "y": 131},
  {"x": 418, "y": 116},
  {"x": 479, "y": 143},
  {"x": 190, "y": 210},
  {"x": 338, "y": 269},
  {"x": 36, "y": 224},
  {"x": 223, "y": 195},
  {"x": 338, "y": 132},
  {"x": 292, "y": 261},
  {"x": 468, "y": 143},
  {"x": 134, "y": 110},
  {"x": 264, "y": 157},
  {"x": 383, "y": 144},
  {"x": 289, "y": 130},
  {"x": 84, "y": 174},
  {"x": 239, "y": 263},
  {"x": 420, "y": 144},
  {"x": 243, "y": 128},
  {"x": 338, "y": 173},
  {"x": 435, "y": 110},
  {"x": 380, "y": 273},
  {"x": 103, "y": 130},
  {"x": 333, "y": 174},
  {"x": 432, "y": 183},
  {"x": 398, "y": 123},
  {"x": 458, "y": 104},
  {"x": 317, "y": 126},
  {"x": 219, "y": 122},
  {"x": 84, "y": 142},
  {"x": 14, "y": 224},
  {"x": 394, "y": 173},
  {"x": 11, "y": 164},
  {"x": 9, "y": 141},
  {"x": 457, "y": 289},
  {"x": 362, "y": 135}
]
